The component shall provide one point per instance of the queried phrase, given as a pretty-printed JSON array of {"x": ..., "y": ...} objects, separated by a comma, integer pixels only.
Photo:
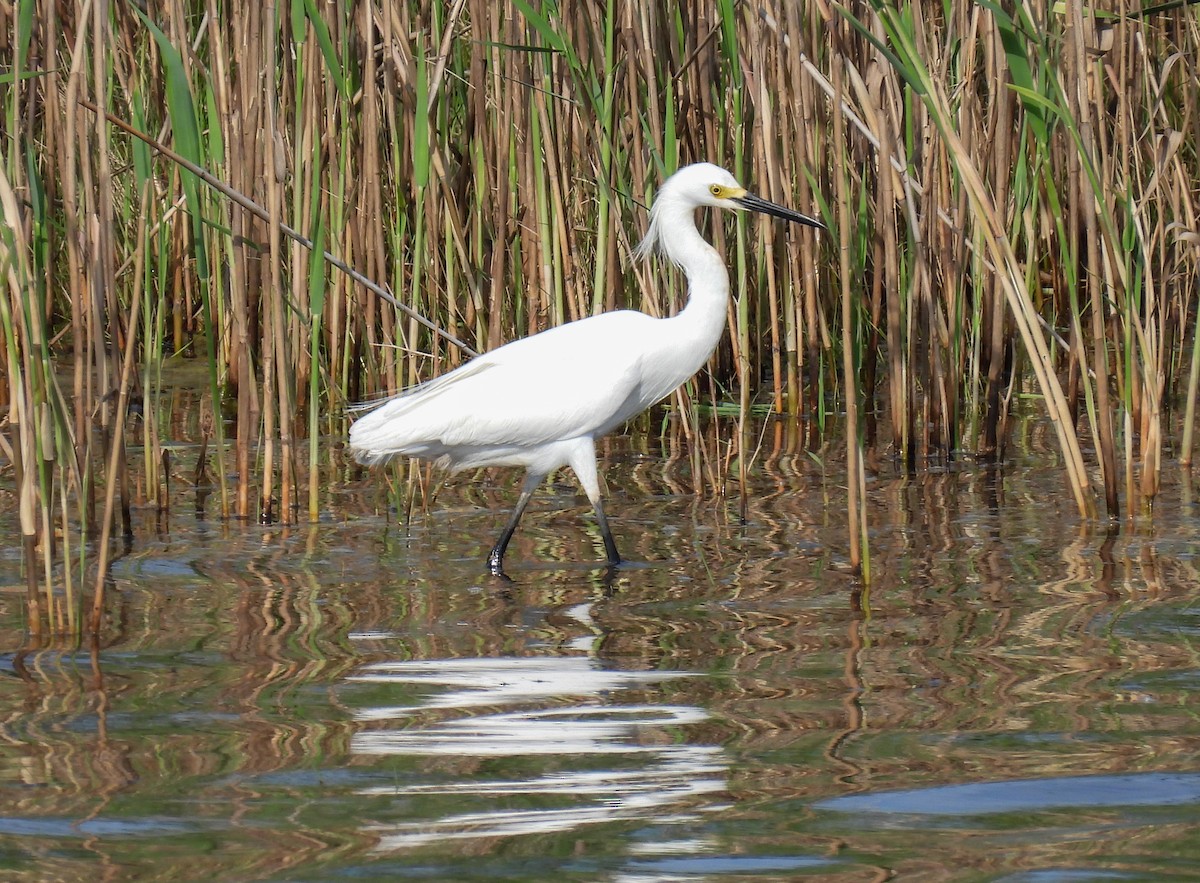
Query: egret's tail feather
[
  {"x": 371, "y": 442},
  {"x": 371, "y": 458},
  {"x": 398, "y": 426},
  {"x": 368, "y": 405}
]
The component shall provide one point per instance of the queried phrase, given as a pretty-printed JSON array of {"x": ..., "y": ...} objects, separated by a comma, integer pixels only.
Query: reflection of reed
[
  {"x": 160, "y": 737},
  {"x": 998, "y": 640},
  {"x": 951, "y": 643}
]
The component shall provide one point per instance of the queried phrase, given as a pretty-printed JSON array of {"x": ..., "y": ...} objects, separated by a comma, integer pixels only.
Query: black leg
[
  {"x": 610, "y": 546},
  {"x": 496, "y": 556}
]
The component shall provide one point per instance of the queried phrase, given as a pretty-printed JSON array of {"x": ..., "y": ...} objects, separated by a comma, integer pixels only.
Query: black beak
[{"x": 758, "y": 204}]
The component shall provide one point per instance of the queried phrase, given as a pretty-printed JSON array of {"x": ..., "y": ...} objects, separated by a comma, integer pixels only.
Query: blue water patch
[
  {"x": 44, "y": 658},
  {"x": 156, "y": 568},
  {"x": 729, "y": 864},
  {"x": 1162, "y": 619},
  {"x": 100, "y": 827},
  {"x": 1148, "y": 683},
  {"x": 1027, "y": 795},
  {"x": 325, "y": 777},
  {"x": 1066, "y": 875}
]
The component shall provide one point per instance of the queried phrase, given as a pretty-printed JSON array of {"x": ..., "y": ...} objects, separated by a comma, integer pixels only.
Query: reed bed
[{"x": 1011, "y": 197}]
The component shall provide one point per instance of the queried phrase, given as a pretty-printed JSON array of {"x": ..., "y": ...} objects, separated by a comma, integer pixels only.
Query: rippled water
[{"x": 1015, "y": 698}]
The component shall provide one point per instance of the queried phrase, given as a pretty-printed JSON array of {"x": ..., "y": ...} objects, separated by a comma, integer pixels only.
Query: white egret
[{"x": 542, "y": 401}]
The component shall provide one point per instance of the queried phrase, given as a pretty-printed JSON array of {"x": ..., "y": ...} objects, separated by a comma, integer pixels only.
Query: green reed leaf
[
  {"x": 325, "y": 41},
  {"x": 185, "y": 125}
]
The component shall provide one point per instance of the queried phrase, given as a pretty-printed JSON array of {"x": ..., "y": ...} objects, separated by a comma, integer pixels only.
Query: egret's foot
[{"x": 495, "y": 563}]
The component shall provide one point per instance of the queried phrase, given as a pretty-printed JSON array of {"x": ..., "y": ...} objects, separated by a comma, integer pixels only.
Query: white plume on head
[{"x": 649, "y": 244}]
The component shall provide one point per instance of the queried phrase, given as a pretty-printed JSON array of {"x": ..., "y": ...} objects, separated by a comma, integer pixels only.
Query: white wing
[{"x": 579, "y": 379}]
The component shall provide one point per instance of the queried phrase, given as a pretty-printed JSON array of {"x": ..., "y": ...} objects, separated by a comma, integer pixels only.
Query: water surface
[{"x": 1015, "y": 698}]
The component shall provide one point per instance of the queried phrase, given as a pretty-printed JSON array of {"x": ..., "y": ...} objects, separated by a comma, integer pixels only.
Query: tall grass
[{"x": 1011, "y": 193}]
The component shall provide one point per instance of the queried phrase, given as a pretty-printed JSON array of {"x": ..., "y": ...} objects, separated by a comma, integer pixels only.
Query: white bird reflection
[
  {"x": 494, "y": 682},
  {"x": 644, "y": 779}
]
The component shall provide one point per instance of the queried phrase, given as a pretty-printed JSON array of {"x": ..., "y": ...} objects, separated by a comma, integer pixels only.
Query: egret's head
[{"x": 705, "y": 184}]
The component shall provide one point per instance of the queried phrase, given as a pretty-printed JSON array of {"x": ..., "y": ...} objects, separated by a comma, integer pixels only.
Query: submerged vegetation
[{"x": 1011, "y": 197}]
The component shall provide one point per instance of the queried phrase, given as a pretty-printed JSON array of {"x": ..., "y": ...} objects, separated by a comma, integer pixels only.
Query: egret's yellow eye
[{"x": 716, "y": 189}]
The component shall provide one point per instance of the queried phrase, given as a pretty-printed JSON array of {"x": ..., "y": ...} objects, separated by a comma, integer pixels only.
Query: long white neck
[{"x": 699, "y": 325}]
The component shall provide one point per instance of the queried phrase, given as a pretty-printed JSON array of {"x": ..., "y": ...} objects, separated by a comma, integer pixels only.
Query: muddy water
[{"x": 1017, "y": 696}]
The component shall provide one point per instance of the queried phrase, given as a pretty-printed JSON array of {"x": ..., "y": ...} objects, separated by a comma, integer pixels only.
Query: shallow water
[{"x": 1016, "y": 697}]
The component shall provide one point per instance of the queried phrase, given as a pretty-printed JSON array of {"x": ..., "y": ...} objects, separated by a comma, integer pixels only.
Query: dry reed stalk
[
  {"x": 1084, "y": 204},
  {"x": 995, "y": 403},
  {"x": 855, "y": 501},
  {"x": 18, "y": 349},
  {"x": 278, "y": 385},
  {"x": 899, "y": 351},
  {"x": 116, "y": 452}
]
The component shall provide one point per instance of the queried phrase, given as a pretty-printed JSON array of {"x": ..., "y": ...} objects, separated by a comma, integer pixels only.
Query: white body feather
[{"x": 518, "y": 404}]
